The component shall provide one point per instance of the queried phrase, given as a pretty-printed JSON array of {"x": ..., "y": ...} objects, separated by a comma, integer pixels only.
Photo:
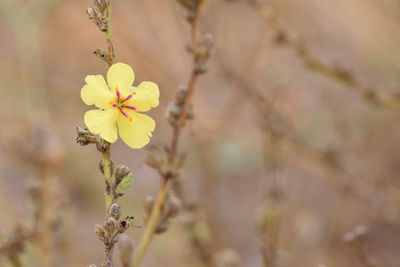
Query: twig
[
  {"x": 284, "y": 37},
  {"x": 163, "y": 190}
]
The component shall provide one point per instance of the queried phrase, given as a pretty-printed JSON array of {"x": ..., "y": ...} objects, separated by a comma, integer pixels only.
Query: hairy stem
[
  {"x": 108, "y": 194},
  {"x": 109, "y": 257},
  {"x": 110, "y": 47}
]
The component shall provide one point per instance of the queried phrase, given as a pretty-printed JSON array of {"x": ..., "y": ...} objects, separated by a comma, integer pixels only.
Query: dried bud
[
  {"x": 124, "y": 224},
  {"x": 120, "y": 172},
  {"x": 110, "y": 225},
  {"x": 102, "y": 145},
  {"x": 181, "y": 94},
  {"x": 173, "y": 207},
  {"x": 201, "y": 53},
  {"x": 85, "y": 137},
  {"x": 103, "y": 55},
  {"x": 100, "y": 232},
  {"x": 167, "y": 164},
  {"x": 173, "y": 113},
  {"x": 98, "y": 13},
  {"x": 115, "y": 211}
]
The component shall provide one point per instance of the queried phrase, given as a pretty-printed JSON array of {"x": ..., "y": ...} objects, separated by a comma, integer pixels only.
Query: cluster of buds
[
  {"x": 169, "y": 210},
  {"x": 123, "y": 179},
  {"x": 175, "y": 107},
  {"x": 165, "y": 162},
  {"x": 85, "y": 137},
  {"x": 99, "y": 13},
  {"x": 201, "y": 52},
  {"x": 113, "y": 225}
]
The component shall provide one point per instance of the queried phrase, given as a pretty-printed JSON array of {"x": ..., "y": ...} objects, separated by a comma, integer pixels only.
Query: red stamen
[
  {"x": 130, "y": 107},
  {"x": 126, "y": 115},
  {"x": 118, "y": 95},
  {"x": 127, "y": 98}
]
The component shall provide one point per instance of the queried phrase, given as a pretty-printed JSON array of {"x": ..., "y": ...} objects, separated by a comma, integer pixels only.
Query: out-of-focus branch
[
  {"x": 279, "y": 130},
  {"x": 200, "y": 50},
  {"x": 286, "y": 38}
]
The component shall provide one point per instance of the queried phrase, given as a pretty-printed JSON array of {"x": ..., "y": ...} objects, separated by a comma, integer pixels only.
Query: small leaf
[{"x": 125, "y": 183}]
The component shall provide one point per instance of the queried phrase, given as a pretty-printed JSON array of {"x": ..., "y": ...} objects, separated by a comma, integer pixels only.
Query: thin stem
[
  {"x": 108, "y": 194},
  {"x": 163, "y": 190},
  {"x": 110, "y": 46},
  {"x": 152, "y": 224},
  {"x": 109, "y": 257}
]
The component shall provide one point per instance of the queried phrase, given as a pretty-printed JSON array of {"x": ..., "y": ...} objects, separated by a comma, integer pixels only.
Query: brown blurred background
[{"x": 274, "y": 132}]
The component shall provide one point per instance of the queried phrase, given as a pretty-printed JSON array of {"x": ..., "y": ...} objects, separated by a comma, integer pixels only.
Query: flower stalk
[{"x": 109, "y": 196}]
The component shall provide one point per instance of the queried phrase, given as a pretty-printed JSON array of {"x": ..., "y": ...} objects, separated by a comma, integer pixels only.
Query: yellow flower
[{"x": 120, "y": 105}]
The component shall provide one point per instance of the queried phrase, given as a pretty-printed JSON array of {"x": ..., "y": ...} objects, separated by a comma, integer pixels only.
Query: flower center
[{"x": 121, "y": 104}]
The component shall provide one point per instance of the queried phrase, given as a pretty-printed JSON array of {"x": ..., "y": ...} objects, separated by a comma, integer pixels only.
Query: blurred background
[{"x": 293, "y": 155}]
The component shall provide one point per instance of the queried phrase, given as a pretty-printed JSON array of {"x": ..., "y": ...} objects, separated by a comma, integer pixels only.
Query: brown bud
[
  {"x": 120, "y": 172},
  {"x": 124, "y": 224},
  {"x": 85, "y": 137},
  {"x": 181, "y": 94},
  {"x": 115, "y": 211},
  {"x": 100, "y": 232},
  {"x": 110, "y": 225}
]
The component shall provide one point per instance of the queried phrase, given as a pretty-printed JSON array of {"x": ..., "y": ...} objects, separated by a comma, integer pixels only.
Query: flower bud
[
  {"x": 84, "y": 136},
  {"x": 120, "y": 172},
  {"x": 100, "y": 232},
  {"x": 181, "y": 94},
  {"x": 124, "y": 224},
  {"x": 115, "y": 211},
  {"x": 110, "y": 225}
]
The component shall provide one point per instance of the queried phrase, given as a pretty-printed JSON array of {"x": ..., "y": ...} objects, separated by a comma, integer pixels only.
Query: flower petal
[
  {"x": 96, "y": 92},
  {"x": 146, "y": 97},
  {"x": 120, "y": 76},
  {"x": 103, "y": 123},
  {"x": 136, "y": 132}
]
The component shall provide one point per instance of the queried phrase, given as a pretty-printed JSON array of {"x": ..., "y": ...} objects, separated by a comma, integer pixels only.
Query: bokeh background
[{"x": 274, "y": 136}]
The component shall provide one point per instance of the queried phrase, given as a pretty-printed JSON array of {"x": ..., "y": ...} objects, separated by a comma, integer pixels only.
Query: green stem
[{"x": 108, "y": 192}]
